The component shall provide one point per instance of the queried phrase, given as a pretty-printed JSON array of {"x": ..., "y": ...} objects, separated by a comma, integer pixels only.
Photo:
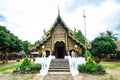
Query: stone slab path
[{"x": 58, "y": 77}]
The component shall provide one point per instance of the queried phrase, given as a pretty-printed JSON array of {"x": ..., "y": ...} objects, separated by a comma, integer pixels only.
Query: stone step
[
  {"x": 59, "y": 70},
  {"x": 59, "y": 73},
  {"x": 59, "y": 65}
]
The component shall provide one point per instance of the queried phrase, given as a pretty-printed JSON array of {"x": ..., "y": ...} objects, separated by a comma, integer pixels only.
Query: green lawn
[
  {"x": 9, "y": 67},
  {"x": 109, "y": 78},
  {"x": 110, "y": 65}
]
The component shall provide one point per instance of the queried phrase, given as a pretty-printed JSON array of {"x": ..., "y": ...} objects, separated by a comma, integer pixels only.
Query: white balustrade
[
  {"x": 74, "y": 62},
  {"x": 45, "y": 63}
]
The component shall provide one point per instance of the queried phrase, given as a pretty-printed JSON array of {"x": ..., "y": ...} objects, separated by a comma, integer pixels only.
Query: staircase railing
[
  {"x": 45, "y": 63},
  {"x": 74, "y": 62}
]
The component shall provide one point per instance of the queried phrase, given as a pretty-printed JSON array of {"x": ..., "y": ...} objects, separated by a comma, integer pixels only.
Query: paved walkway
[{"x": 58, "y": 77}]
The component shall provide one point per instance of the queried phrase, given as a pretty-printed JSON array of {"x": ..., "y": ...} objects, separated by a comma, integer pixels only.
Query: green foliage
[
  {"x": 4, "y": 70},
  {"x": 102, "y": 45},
  {"x": 26, "y": 63},
  {"x": 109, "y": 78},
  {"x": 25, "y": 46},
  {"x": 100, "y": 69},
  {"x": 82, "y": 68},
  {"x": 35, "y": 67},
  {"x": 91, "y": 67},
  {"x": 79, "y": 36},
  {"x": 27, "y": 66},
  {"x": 110, "y": 65},
  {"x": 86, "y": 53},
  {"x": 9, "y": 42},
  {"x": 37, "y": 42},
  {"x": 14, "y": 79},
  {"x": 110, "y": 35}
]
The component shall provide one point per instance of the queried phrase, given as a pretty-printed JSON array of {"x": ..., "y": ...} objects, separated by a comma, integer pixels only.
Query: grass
[
  {"x": 8, "y": 69},
  {"x": 30, "y": 78},
  {"x": 10, "y": 63},
  {"x": 23, "y": 77},
  {"x": 110, "y": 65},
  {"x": 109, "y": 78},
  {"x": 14, "y": 79},
  {"x": 9, "y": 66}
]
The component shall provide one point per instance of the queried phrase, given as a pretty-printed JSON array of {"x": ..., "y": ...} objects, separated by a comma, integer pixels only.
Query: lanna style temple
[{"x": 59, "y": 40}]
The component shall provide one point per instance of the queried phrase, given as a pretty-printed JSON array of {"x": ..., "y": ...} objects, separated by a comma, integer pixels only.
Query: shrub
[
  {"x": 81, "y": 68},
  {"x": 100, "y": 69},
  {"x": 91, "y": 67},
  {"x": 35, "y": 67},
  {"x": 18, "y": 60},
  {"x": 26, "y": 63},
  {"x": 27, "y": 66}
]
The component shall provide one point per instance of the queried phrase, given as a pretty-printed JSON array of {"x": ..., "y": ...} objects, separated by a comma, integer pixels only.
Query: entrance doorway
[{"x": 59, "y": 49}]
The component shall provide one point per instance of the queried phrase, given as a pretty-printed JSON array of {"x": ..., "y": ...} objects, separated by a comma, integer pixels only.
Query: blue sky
[
  {"x": 28, "y": 18},
  {"x": 2, "y": 18},
  {"x": 74, "y": 4}
]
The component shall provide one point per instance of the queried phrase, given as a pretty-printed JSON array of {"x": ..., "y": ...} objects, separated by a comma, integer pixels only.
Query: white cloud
[
  {"x": 27, "y": 18},
  {"x": 97, "y": 19}
]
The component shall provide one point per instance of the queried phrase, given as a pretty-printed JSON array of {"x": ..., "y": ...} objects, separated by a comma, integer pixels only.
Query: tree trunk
[
  {"x": 6, "y": 58},
  {"x": 105, "y": 55}
]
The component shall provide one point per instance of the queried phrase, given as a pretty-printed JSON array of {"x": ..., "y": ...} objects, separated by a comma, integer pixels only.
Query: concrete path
[{"x": 58, "y": 77}]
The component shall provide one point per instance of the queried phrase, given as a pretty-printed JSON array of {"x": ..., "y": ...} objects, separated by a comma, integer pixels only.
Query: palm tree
[
  {"x": 102, "y": 34},
  {"x": 111, "y": 35}
]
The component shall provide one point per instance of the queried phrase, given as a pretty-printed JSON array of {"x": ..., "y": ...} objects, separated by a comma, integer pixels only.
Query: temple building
[{"x": 59, "y": 40}]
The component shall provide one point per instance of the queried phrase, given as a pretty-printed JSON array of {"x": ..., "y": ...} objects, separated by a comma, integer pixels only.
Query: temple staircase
[
  {"x": 59, "y": 70},
  {"x": 59, "y": 65}
]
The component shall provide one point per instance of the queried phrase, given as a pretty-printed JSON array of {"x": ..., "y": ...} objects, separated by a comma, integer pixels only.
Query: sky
[{"x": 28, "y": 18}]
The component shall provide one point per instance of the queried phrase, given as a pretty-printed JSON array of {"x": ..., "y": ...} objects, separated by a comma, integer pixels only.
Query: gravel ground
[{"x": 114, "y": 73}]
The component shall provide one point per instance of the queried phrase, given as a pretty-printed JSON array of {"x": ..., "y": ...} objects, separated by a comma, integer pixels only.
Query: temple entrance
[{"x": 59, "y": 49}]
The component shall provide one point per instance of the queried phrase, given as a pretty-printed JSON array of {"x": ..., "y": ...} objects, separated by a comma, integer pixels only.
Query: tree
[
  {"x": 9, "y": 42},
  {"x": 79, "y": 36},
  {"x": 102, "y": 34},
  {"x": 103, "y": 46},
  {"x": 109, "y": 34},
  {"x": 25, "y": 46},
  {"x": 37, "y": 42}
]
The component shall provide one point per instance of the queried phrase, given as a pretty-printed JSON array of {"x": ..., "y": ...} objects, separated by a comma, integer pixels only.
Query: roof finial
[{"x": 58, "y": 11}]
